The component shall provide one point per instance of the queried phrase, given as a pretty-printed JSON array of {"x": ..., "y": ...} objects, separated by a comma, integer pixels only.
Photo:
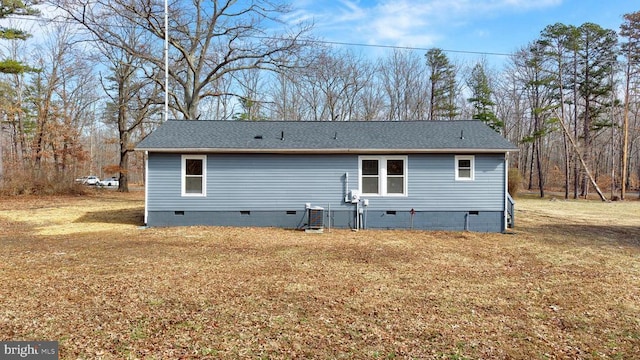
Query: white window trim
[
  {"x": 183, "y": 175},
  {"x": 473, "y": 167},
  {"x": 382, "y": 175}
]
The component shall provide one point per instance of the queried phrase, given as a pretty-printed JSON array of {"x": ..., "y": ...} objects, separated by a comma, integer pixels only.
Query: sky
[{"x": 465, "y": 27}]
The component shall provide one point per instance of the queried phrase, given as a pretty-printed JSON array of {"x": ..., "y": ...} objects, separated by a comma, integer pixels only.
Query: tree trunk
[
  {"x": 123, "y": 180},
  {"x": 567, "y": 171},
  {"x": 576, "y": 169},
  {"x": 1, "y": 156},
  {"x": 22, "y": 152},
  {"x": 586, "y": 134},
  {"x": 540, "y": 173},
  {"x": 123, "y": 134},
  {"x": 531, "y": 162},
  {"x": 625, "y": 134},
  {"x": 582, "y": 162}
]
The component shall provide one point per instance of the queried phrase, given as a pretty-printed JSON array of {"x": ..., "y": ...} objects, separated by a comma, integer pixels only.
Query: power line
[
  {"x": 315, "y": 41},
  {"x": 405, "y": 47}
]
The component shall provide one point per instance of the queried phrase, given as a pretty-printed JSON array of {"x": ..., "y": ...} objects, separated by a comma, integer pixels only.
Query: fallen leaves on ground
[{"x": 81, "y": 270}]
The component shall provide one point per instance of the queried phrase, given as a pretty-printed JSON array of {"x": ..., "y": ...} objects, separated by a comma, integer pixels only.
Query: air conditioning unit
[{"x": 316, "y": 218}]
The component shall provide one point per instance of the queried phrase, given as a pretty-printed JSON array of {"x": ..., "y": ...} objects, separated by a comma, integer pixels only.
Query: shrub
[
  {"x": 27, "y": 182},
  {"x": 515, "y": 182}
]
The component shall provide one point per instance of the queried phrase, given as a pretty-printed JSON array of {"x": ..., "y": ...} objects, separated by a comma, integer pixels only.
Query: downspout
[
  {"x": 366, "y": 206},
  {"x": 346, "y": 187},
  {"x": 466, "y": 221},
  {"x": 355, "y": 219}
]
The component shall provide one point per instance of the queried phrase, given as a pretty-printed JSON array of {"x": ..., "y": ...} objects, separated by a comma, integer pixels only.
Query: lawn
[{"x": 81, "y": 270}]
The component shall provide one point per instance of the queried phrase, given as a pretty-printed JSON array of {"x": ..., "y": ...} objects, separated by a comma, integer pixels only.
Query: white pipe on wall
[{"x": 346, "y": 187}]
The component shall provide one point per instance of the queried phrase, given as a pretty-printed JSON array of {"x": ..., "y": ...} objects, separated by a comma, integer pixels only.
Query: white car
[
  {"x": 110, "y": 182},
  {"x": 91, "y": 180}
]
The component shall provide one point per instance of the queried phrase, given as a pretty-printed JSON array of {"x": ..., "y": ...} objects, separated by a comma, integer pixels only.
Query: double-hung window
[
  {"x": 370, "y": 178},
  {"x": 383, "y": 175},
  {"x": 465, "y": 167},
  {"x": 194, "y": 175}
]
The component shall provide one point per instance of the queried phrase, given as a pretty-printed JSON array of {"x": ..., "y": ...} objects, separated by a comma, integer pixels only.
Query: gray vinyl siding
[
  {"x": 432, "y": 184},
  {"x": 259, "y": 182},
  {"x": 267, "y": 182}
]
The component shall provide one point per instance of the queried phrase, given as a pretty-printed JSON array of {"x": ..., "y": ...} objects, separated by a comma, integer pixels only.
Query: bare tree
[
  {"x": 251, "y": 95},
  {"x": 77, "y": 96},
  {"x": 371, "y": 100},
  {"x": 331, "y": 85},
  {"x": 286, "y": 102},
  {"x": 511, "y": 105},
  {"x": 208, "y": 40},
  {"x": 536, "y": 83},
  {"x": 404, "y": 80},
  {"x": 132, "y": 93},
  {"x": 49, "y": 108},
  {"x": 59, "y": 94}
]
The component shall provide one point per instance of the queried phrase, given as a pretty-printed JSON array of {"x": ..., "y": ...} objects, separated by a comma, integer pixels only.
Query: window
[
  {"x": 395, "y": 176},
  {"x": 465, "y": 167},
  {"x": 370, "y": 176},
  {"x": 383, "y": 175},
  {"x": 194, "y": 178}
]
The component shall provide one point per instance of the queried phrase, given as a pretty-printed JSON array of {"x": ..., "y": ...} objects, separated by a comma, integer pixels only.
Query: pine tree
[
  {"x": 630, "y": 31},
  {"x": 7, "y": 9},
  {"x": 481, "y": 93},
  {"x": 558, "y": 41},
  {"x": 442, "y": 86},
  {"x": 596, "y": 60}
]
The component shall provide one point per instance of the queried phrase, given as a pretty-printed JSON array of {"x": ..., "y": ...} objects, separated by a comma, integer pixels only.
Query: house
[{"x": 447, "y": 175}]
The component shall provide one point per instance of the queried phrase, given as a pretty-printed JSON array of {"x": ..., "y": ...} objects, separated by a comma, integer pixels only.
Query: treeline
[{"x": 77, "y": 103}]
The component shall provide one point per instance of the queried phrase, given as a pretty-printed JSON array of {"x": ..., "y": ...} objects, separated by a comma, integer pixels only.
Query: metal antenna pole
[{"x": 166, "y": 60}]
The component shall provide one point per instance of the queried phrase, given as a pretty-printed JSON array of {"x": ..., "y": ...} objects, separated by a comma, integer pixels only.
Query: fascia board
[{"x": 326, "y": 151}]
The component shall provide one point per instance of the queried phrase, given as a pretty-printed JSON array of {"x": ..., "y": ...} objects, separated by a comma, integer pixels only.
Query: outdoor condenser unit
[{"x": 316, "y": 217}]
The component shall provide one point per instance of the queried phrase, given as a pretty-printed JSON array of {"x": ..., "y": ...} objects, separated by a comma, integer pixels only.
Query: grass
[{"x": 80, "y": 270}]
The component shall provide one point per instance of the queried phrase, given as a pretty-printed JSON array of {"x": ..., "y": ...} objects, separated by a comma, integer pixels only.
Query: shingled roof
[{"x": 325, "y": 137}]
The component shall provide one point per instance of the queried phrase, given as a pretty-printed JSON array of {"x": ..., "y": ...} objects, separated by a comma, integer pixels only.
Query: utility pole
[{"x": 166, "y": 60}]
